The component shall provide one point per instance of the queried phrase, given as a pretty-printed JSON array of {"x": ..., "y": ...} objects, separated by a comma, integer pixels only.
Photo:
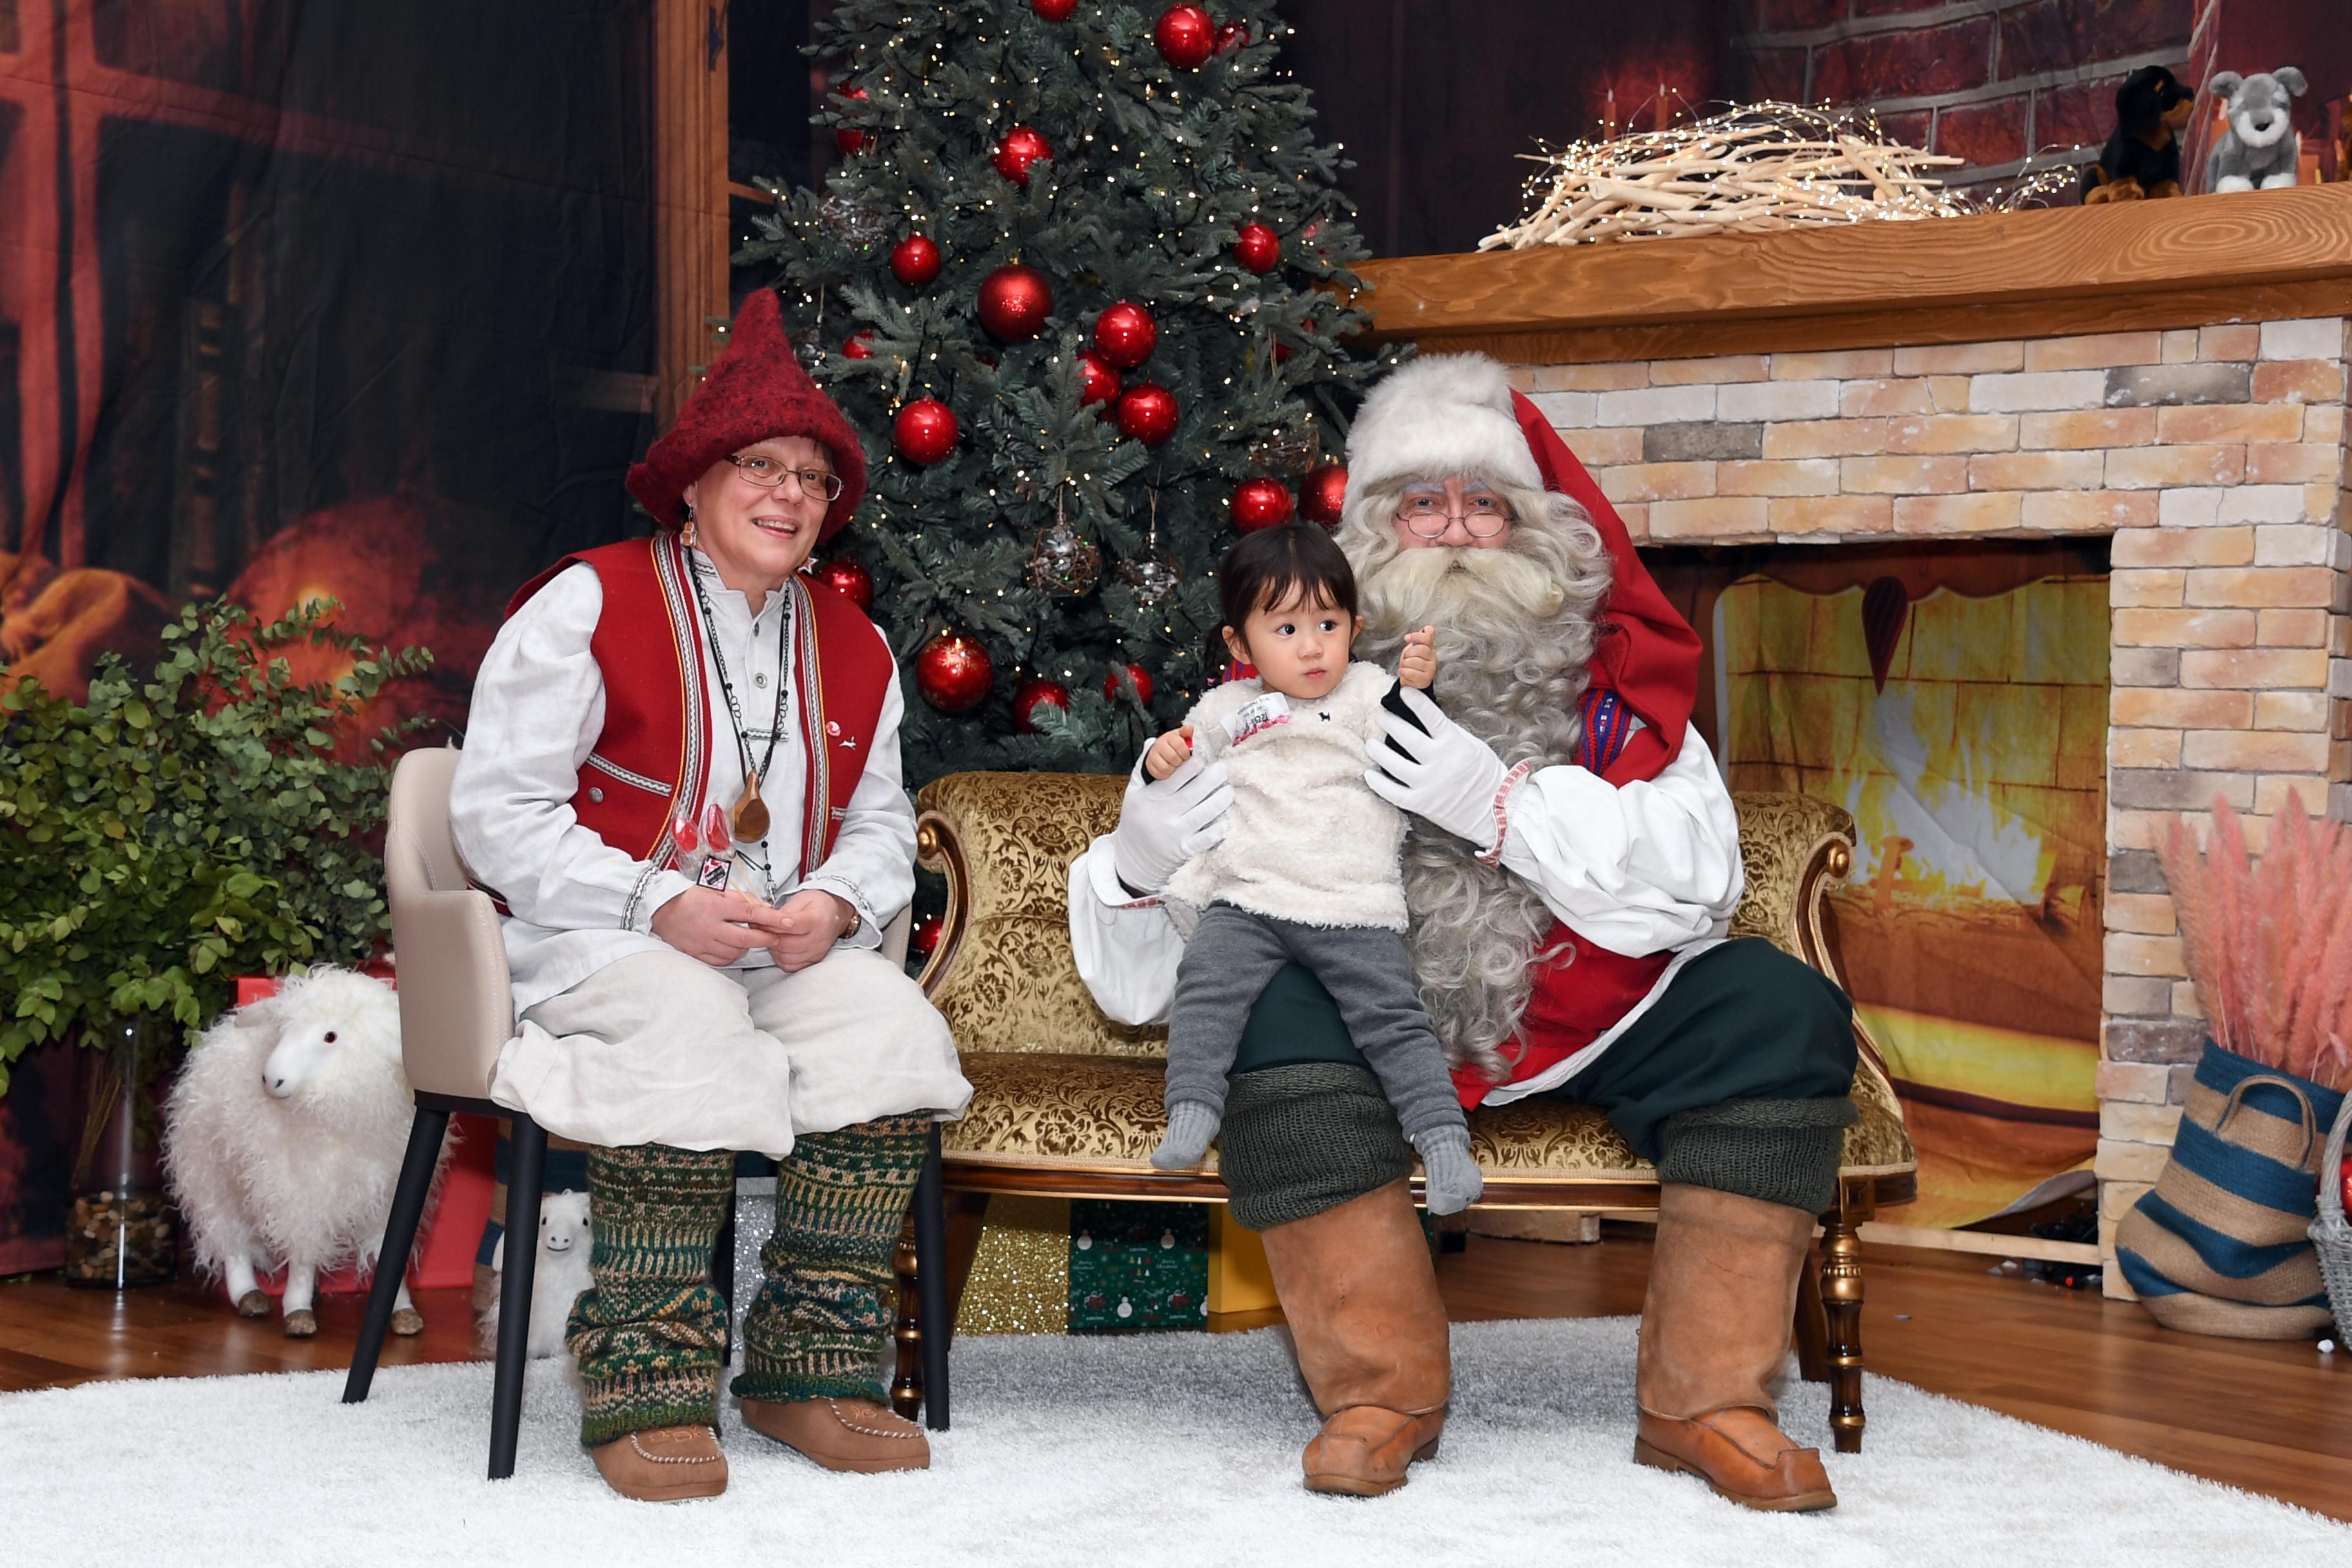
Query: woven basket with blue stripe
[{"x": 2221, "y": 1243}]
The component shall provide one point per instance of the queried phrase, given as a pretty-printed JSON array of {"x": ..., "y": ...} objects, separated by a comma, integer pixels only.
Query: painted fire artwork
[{"x": 1965, "y": 736}]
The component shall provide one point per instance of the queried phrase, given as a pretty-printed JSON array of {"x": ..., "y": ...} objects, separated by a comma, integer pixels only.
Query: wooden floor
[{"x": 2271, "y": 1417}]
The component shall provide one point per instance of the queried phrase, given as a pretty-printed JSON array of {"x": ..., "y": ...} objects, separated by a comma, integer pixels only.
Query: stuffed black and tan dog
[{"x": 2143, "y": 157}]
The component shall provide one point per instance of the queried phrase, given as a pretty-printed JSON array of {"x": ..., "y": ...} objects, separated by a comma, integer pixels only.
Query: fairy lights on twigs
[{"x": 1757, "y": 166}]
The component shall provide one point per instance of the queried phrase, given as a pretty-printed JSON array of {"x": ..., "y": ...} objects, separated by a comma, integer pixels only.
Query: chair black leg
[
  {"x": 399, "y": 1236},
  {"x": 722, "y": 1277},
  {"x": 525, "y": 1172},
  {"x": 931, "y": 1283}
]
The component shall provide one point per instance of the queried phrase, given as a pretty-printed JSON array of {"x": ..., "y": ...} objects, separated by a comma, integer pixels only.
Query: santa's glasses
[
  {"x": 1427, "y": 516},
  {"x": 768, "y": 473}
]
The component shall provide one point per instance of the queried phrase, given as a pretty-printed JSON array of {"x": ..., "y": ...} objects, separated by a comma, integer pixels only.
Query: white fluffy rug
[{"x": 1172, "y": 1449}]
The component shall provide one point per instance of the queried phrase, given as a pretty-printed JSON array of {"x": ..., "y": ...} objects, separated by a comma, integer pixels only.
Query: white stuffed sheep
[
  {"x": 561, "y": 1273},
  {"x": 283, "y": 1141}
]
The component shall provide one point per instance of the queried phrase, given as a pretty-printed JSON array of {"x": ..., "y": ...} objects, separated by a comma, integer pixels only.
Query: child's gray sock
[
  {"x": 1453, "y": 1181},
  {"x": 1190, "y": 1126}
]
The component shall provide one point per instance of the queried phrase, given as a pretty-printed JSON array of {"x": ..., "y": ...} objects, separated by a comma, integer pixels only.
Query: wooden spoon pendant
[{"x": 751, "y": 813}]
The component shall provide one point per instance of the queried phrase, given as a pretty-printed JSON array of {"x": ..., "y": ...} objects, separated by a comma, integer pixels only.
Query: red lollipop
[
  {"x": 1260, "y": 503},
  {"x": 1125, "y": 335},
  {"x": 1324, "y": 493},
  {"x": 1135, "y": 672},
  {"x": 1257, "y": 248},
  {"x": 915, "y": 260},
  {"x": 1021, "y": 147},
  {"x": 1032, "y": 695},
  {"x": 847, "y": 578},
  {"x": 1146, "y": 413},
  {"x": 1185, "y": 36},
  {"x": 1098, "y": 382},
  {"x": 1014, "y": 302},
  {"x": 925, "y": 430}
]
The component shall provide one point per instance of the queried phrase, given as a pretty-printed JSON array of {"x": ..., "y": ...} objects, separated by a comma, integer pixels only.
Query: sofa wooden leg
[
  {"x": 1840, "y": 1295},
  {"x": 907, "y": 1332}
]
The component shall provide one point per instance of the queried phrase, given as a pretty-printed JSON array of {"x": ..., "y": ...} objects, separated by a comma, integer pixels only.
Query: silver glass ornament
[
  {"x": 1064, "y": 563},
  {"x": 1288, "y": 451}
]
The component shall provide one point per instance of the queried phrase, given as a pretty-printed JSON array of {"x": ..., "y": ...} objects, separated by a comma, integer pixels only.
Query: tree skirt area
[{"x": 1166, "y": 1448}]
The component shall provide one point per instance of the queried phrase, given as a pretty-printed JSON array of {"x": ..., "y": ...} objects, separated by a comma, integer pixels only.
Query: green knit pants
[{"x": 649, "y": 1330}]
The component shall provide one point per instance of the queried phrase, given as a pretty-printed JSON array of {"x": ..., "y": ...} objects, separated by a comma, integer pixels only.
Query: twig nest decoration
[{"x": 1760, "y": 166}]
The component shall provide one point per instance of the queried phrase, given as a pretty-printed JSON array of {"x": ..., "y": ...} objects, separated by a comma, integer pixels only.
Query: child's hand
[
  {"x": 1417, "y": 664},
  {"x": 1168, "y": 753}
]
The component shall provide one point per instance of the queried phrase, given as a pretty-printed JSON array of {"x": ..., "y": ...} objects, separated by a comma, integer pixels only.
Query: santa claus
[{"x": 1572, "y": 869}]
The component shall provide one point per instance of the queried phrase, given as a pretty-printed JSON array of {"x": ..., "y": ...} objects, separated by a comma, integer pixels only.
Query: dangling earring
[{"x": 685, "y": 534}]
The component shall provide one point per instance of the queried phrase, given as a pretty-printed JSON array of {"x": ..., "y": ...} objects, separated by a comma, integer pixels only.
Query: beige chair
[{"x": 456, "y": 1011}]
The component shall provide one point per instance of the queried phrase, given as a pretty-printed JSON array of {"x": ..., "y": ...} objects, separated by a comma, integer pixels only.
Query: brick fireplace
[{"x": 2175, "y": 381}]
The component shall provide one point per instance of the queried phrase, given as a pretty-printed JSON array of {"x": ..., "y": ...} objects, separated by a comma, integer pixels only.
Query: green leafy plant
[{"x": 174, "y": 832}]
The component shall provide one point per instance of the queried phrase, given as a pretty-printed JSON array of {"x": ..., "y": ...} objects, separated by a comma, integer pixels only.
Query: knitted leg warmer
[
  {"x": 648, "y": 1329},
  {"x": 1777, "y": 1151},
  {"x": 1306, "y": 1137},
  {"x": 822, "y": 1319}
]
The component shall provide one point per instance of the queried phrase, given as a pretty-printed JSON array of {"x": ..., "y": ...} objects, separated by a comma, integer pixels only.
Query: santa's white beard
[{"x": 1512, "y": 668}]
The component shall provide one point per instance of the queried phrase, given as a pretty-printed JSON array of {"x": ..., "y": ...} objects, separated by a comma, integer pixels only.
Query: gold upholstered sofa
[{"x": 1066, "y": 1103}]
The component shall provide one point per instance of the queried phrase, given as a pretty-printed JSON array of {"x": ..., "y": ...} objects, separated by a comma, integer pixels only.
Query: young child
[{"x": 1309, "y": 870}]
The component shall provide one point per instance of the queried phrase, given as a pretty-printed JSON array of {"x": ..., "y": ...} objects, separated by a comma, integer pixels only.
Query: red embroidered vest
[{"x": 653, "y": 759}]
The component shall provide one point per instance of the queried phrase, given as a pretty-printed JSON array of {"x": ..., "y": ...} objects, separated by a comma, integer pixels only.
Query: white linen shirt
[
  {"x": 1637, "y": 868},
  {"x": 579, "y": 903}
]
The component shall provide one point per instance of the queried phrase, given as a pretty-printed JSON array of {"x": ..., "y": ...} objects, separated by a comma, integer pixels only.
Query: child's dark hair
[{"x": 1270, "y": 566}]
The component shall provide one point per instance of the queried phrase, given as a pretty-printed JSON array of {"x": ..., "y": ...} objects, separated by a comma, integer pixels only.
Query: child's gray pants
[{"x": 1369, "y": 973}]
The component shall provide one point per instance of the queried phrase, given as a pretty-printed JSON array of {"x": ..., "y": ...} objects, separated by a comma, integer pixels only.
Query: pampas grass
[{"x": 2270, "y": 942}]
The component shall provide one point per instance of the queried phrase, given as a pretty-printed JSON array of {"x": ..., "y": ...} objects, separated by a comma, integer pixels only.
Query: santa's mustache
[{"x": 1458, "y": 587}]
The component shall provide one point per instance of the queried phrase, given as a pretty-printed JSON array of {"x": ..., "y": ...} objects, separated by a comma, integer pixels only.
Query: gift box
[{"x": 1137, "y": 1266}]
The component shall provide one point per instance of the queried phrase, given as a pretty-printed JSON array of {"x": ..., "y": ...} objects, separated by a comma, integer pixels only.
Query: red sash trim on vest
[{"x": 651, "y": 762}]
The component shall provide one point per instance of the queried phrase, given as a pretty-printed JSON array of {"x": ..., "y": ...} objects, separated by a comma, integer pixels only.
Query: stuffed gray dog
[{"x": 2260, "y": 148}]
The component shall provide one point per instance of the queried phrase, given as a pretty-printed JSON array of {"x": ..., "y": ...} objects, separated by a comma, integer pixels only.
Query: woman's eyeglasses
[{"x": 768, "y": 473}]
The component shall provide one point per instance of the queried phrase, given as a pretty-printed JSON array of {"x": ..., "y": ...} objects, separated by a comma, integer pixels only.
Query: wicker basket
[{"x": 2331, "y": 1234}]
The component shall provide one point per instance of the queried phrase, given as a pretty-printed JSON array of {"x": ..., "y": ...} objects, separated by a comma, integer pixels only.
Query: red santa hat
[
  {"x": 756, "y": 391},
  {"x": 1441, "y": 415}
]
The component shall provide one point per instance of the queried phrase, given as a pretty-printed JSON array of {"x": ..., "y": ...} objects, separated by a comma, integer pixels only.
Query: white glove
[
  {"x": 1162, "y": 825},
  {"x": 1447, "y": 776}
]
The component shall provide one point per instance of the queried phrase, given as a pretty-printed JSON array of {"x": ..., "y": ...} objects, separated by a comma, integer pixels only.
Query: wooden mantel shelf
[{"x": 2253, "y": 255}]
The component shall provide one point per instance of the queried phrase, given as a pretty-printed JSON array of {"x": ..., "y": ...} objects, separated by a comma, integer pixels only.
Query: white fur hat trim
[{"x": 1438, "y": 415}]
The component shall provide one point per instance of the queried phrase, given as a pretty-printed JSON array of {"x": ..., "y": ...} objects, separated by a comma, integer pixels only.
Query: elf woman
[{"x": 671, "y": 1022}]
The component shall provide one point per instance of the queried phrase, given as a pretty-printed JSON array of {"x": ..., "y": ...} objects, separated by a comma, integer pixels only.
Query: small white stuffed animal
[
  {"x": 283, "y": 1139},
  {"x": 2259, "y": 149},
  {"x": 564, "y": 1236}
]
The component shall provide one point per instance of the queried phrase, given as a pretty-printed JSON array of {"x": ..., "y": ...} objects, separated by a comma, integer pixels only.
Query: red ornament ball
[
  {"x": 915, "y": 259},
  {"x": 1125, "y": 335},
  {"x": 1098, "y": 382},
  {"x": 1032, "y": 695},
  {"x": 1232, "y": 36},
  {"x": 859, "y": 346},
  {"x": 1054, "y": 10},
  {"x": 1014, "y": 302},
  {"x": 847, "y": 140},
  {"x": 954, "y": 672},
  {"x": 1323, "y": 494},
  {"x": 1135, "y": 672},
  {"x": 1146, "y": 413},
  {"x": 1257, "y": 248},
  {"x": 847, "y": 578},
  {"x": 1185, "y": 36},
  {"x": 925, "y": 430},
  {"x": 925, "y": 938},
  {"x": 1020, "y": 148},
  {"x": 1261, "y": 504}
]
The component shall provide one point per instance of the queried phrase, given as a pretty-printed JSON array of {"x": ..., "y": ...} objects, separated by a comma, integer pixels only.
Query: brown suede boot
[
  {"x": 1715, "y": 1328},
  {"x": 664, "y": 1464},
  {"x": 842, "y": 1433},
  {"x": 1356, "y": 1284}
]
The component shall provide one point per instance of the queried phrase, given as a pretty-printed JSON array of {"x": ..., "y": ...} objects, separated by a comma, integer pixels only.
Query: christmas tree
[{"x": 1081, "y": 281}]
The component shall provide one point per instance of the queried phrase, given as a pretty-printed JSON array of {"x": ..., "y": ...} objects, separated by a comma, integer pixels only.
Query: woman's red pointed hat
[{"x": 755, "y": 392}]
